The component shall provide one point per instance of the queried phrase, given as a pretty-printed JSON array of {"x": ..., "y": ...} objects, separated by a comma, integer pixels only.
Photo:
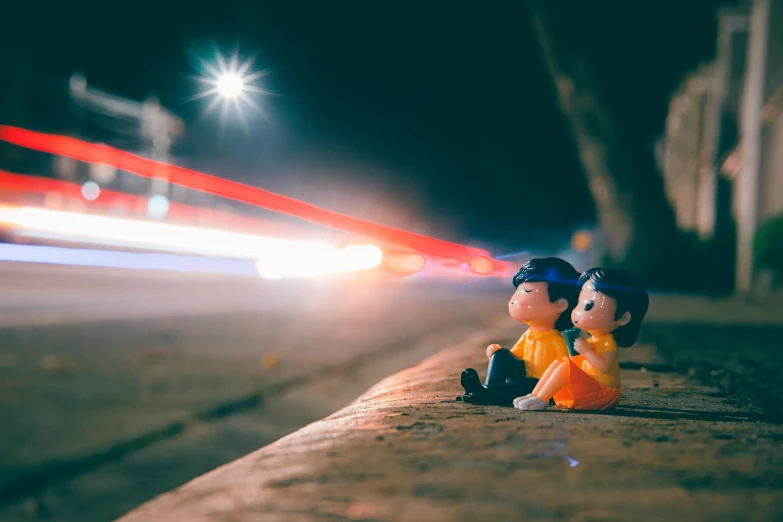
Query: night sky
[{"x": 435, "y": 116}]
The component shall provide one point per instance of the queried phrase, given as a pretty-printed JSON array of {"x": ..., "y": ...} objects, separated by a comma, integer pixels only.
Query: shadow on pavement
[{"x": 696, "y": 415}]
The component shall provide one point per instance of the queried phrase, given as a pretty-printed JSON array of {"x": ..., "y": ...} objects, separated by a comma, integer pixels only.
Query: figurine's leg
[
  {"x": 504, "y": 394},
  {"x": 531, "y": 396},
  {"x": 520, "y": 384},
  {"x": 547, "y": 374},
  {"x": 545, "y": 390},
  {"x": 556, "y": 379},
  {"x": 504, "y": 365}
]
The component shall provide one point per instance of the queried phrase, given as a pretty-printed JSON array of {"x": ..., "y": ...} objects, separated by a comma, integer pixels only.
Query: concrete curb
[{"x": 407, "y": 450}]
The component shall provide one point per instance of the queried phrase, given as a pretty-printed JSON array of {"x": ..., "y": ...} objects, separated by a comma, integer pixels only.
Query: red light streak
[
  {"x": 107, "y": 199},
  {"x": 98, "y": 153}
]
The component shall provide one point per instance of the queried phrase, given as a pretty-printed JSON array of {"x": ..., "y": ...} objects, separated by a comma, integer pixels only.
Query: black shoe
[
  {"x": 470, "y": 380},
  {"x": 475, "y": 392},
  {"x": 469, "y": 398}
]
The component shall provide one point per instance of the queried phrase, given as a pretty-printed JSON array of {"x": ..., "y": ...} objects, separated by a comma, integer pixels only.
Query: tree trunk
[{"x": 637, "y": 223}]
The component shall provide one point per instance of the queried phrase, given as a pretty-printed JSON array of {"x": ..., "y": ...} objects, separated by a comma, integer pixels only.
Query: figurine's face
[
  {"x": 530, "y": 304},
  {"x": 595, "y": 312}
]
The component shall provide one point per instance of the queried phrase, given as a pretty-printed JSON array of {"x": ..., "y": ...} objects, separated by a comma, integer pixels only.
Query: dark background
[{"x": 434, "y": 116}]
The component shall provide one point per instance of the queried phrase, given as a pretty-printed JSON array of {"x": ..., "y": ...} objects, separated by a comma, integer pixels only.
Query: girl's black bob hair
[
  {"x": 561, "y": 279},
  {"x": 630, "y": 295}
]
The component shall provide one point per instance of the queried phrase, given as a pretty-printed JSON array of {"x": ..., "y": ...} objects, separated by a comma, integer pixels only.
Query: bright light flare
[
  {"x": 353, "y": 258},
  {"x": 230, "y": 85}
]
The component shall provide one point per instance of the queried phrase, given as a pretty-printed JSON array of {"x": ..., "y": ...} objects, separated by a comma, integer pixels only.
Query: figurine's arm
[
  {"x": 491, "y": 349},
  {"x": 602, "y": 363}
]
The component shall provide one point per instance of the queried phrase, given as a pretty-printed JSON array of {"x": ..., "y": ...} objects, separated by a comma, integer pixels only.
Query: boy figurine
[
  {"x": 612, "y": 305},
  {"x": 546, "y": 293}
]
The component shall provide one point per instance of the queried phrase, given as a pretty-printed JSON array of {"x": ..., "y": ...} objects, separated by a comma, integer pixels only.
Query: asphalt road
[
  {"x": 141, "y": 375},
  {"x": 118, "y": 385}
]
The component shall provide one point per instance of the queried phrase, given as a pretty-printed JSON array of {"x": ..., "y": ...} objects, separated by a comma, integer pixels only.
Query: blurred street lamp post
[{"x": 158, "y": 127}]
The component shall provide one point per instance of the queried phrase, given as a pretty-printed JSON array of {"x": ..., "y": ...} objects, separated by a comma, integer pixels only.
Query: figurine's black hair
[
  {"x": 561, "y": 279},
  {"x": 630, "y": 295}
]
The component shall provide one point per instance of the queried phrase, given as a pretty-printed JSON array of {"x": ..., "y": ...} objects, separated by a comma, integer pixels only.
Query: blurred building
[
  {"x": 722, "y": 153},
  {"x": 688, "y": 153}
]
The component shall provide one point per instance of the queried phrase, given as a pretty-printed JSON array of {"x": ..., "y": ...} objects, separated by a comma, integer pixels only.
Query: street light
[{"x": 230, "y": 85}]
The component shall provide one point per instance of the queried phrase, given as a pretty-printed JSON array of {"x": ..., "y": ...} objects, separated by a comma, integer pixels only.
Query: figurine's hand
[
  {"x": 582, "y": 346},
  {"x": 492, "y": 348}
]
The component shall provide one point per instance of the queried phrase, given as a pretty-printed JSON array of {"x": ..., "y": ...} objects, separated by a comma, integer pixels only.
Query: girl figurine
[{"x": 610, "y": 310}]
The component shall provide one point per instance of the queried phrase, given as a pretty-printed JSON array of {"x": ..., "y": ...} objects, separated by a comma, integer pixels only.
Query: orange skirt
[{"x": 583, "y": 392}]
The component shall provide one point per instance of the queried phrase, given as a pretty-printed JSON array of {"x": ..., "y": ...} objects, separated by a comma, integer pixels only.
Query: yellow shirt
[
  {"x": 602, "y": 345},
  {"x": 539, "y": 349}
]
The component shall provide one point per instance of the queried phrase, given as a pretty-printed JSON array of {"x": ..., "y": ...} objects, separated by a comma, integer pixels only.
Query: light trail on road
[
  {"x": 90, "y": 257},
  {"x": 276, "y": 257}
]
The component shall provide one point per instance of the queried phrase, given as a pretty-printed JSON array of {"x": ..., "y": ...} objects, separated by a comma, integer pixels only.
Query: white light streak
[{"x": 274, "y": 257}]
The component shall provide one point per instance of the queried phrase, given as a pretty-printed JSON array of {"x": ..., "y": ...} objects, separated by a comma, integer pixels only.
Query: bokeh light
[
  {"x": 581, "y": 241},
  {"x": 91, "y": 191},
  {"x": 158, "y": 206}
]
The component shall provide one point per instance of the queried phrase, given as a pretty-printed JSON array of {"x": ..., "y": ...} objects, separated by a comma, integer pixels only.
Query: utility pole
[
  {"x": 748, "y": 179},
  {"x": 158, "y": 128}
]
